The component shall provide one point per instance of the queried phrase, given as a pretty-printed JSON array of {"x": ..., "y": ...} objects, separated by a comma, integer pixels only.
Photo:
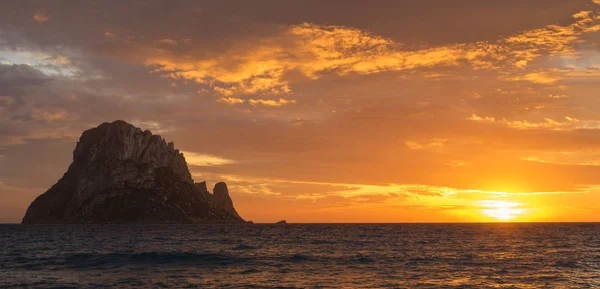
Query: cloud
[
  {"x": 35, "y": 105},
  {"x": 204, "y": 160},
  {"x": 543, "y": 77},
  {"x": 319, "y": 190},
  {"x": 50, "y": 64},
  {"x": 433, "y": 143},
  {"x": 230, "y": 100},
  {"x": 553, "y": 39},
  {"x": 309, "y": 49},
  {"x": 569, "y": 123},
  {"x": 168, "y": 41},
  {"x": 557, "y": 96},
  {"x": 52, "y": 114},
  {"x": 16, "y": 76},
  {"x": 6, "y": 101},
  {"x": 152, "y": 125},
  {"x": 40, "y": 17},
  {"x": 269, "y": 102},
  {"x": 259, "y": 66},
  {"x": 574, "y": 158}
]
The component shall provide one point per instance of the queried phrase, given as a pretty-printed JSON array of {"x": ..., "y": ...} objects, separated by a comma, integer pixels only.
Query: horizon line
[{"x": 318, "y": 223}]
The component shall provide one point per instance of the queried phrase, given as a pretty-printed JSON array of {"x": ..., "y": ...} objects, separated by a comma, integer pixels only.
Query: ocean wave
[
  {"x": 323, "y": 242},
  {"x": 299, "y": 258},
  {"x": 95, "y": 260},
  {"x": 567, "y": 264},
  {"x": 115, "y": 260},
  {"x": 243, "y": 247},
  {"x": 363, "y": 259}
]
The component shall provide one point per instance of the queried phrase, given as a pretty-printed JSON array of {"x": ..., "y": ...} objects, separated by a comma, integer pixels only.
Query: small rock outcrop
[
  {"x": 121, "y": 174},
  {"x": 282, "y": 222},
  {"x": 222, "y": 199}
]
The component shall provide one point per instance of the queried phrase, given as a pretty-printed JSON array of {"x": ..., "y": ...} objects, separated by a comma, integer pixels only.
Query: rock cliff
[{"x": 121, "y": 174}]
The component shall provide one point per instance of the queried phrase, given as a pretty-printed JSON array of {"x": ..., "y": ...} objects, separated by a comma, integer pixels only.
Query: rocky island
[{"x": 121, "y": 174}]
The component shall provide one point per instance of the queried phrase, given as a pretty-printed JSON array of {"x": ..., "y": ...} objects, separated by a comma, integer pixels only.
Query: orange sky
[{"x": 415, "y": 111}]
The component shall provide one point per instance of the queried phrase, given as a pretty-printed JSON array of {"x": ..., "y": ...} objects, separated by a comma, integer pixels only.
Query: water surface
[{"x": 301, "y": 255}]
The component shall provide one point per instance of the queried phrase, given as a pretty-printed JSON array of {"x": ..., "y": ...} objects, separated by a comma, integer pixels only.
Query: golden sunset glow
[
  {"x": 403, "y": 112},
  {"x": 501, "y": 210}
]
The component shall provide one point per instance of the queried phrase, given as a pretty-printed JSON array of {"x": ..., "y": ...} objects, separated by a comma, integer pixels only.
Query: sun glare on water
[{"x": 502, "y": 210}]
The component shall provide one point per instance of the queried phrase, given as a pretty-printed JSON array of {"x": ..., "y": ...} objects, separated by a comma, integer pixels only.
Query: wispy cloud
[
  {"x": 542, "y": 77},
  {"x": 167, "y": 41},
  {"x": 270, "y": 102},
  {"x": 433, "y": 143},
  {"x": 110, "y": 34},
  {"x": 154, "y": 126},
  {"x": 204, "y": 160},
  {"x": 575, "y": 158},
  {"x": 568, "y": 123},
  {"x": 40, "y": 17},
  {"x": 260, "y": 65},
  {"x": 231, "y": 100}
]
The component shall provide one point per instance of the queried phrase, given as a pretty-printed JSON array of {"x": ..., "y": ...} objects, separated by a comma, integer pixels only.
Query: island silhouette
[{"x": 123, "y": 174}]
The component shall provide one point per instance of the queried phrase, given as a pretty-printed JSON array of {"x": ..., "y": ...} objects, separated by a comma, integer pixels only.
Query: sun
[{"x": 502, "y": 210}]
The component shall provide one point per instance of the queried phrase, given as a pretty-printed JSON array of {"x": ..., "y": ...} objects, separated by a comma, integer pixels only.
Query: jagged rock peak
[
  {"x": 201, "y": 186},
  {"x": 222, "y": 199},
  {"x": 121, "y": 141},
  {"x": 220, "y": 190}
]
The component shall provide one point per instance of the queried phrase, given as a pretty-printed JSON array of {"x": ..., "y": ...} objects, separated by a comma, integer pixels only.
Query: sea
[{"x": 498, "y": 255}]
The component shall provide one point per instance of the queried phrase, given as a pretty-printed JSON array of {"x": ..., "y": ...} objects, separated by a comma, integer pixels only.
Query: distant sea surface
[{"x": 301, "y": 255}]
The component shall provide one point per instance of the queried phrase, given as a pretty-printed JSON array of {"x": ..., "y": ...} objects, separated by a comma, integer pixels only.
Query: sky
[{"x": 320, "y": 111}]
